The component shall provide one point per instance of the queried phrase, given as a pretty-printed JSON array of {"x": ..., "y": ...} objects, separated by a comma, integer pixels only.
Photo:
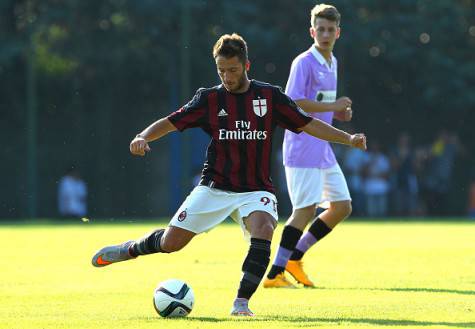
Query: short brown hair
[
  {"x": 230, "y": 46},
  {"x": 325, "y": 11}
]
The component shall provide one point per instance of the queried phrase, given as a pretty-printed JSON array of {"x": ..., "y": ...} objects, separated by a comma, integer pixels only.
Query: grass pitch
[{"x": 369, "y": 275}]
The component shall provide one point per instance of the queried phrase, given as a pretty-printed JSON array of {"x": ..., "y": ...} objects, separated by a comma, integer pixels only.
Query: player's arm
[
  {"x": 341, "y": 104},
  {"x": 341, "y": 107},
  {"x": 156, "y": 130},
  {"x": 322, "y": 130}
]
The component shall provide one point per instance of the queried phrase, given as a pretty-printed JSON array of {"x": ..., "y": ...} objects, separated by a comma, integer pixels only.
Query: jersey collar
[{"x": 319, "y": 57}]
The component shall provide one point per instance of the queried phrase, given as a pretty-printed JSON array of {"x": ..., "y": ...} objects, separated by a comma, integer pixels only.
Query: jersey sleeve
[
  {"x": 287, "y": 114},
  {"x": 192, "y": 114},
  {"x": 297, "y": 81}
]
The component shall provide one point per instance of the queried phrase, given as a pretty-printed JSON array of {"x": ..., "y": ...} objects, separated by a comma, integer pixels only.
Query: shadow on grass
[
  {"x": 378, "y": 322},
  {"x": 450, "y": 291},
  {"x": 309, "y": 321},
  {"x": 431, "y": 290}
]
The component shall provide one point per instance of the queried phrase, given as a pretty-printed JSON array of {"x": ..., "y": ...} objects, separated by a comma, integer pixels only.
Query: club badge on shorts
[{"x": 182, "y": 216}]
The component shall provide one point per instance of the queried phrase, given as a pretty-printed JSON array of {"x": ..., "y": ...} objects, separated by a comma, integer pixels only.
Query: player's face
[
  {"x": 232, "y": 73},
  {"x": 324, "y": 34}
]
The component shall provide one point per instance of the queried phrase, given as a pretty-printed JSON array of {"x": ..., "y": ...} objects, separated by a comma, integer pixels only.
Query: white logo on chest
[{"x": 243, "y": 132}]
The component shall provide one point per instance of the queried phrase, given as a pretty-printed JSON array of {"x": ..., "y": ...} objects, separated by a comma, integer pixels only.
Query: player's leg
[
  {"x": 203, "y": 209},
  {"x": 166, "y": 240},
  {"x": 259, "y": 216},
  {"x": 336, "y": 191},
  {"x": 305, "y": 190},
  {"x": 261, "y": 227},
  {"x": 321, "y": 226},
  {"x": 290, "y": 236}
]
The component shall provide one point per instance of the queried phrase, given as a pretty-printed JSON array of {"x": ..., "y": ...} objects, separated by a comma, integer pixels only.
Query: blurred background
[{"x": 80, "y": 78}]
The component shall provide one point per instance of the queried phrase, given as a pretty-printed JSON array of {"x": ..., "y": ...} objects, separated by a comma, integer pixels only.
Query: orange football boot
[
  {"x": 280, "y": 281},
  {"x": 295, "y": 268}
]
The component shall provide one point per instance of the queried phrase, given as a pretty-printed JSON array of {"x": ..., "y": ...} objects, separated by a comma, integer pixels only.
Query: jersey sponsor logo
[
  {"x": 243, "y": 132},
  {"x": 222, "y": 113},
  {"x": 259, "y": 107},
  {"x": 182, "y": 216},
  {"x": 326, "y": 96}
]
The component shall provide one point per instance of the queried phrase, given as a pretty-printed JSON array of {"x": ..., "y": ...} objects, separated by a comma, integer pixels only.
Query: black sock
[
  {"x": 149, "y": 244},
  {"x": 319, "y": 230},
  {"x": 296, "y": 255},
  {"x": 290, "y": 237},
  {"x": 274, "y": 270},
  {"x": 254, "y": 267}
]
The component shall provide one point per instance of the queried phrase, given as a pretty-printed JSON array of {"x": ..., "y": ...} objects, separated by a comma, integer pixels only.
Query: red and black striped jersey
[{"x": 241, "y": 128}]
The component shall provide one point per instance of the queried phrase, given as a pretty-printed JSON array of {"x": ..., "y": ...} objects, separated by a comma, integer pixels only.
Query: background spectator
[
  {"x": 72, "y": 194},
  {"x": 376, "y": 184},
  {"x": 471, "y": 198},
  {"x": 404, "y": 184},
  {"x": 438, "y": 172},
  {"x": 354, "y": 164}
]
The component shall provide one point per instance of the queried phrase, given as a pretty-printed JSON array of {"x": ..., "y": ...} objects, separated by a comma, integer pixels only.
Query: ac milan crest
[
  {"x": 260, "y": 106},
  {"x": 182, "y": 216}
]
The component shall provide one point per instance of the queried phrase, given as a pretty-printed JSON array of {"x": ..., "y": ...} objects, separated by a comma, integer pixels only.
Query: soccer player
[
  {"x": 240, "y": 116},
  {"x": 312, "y": 172}
]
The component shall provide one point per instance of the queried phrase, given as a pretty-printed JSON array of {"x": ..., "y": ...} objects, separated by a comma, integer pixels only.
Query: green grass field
[{"x": 369, "y": 275}]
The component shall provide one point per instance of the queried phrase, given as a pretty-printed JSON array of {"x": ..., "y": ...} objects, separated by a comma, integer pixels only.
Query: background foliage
[{"x": 97, "y": 72}]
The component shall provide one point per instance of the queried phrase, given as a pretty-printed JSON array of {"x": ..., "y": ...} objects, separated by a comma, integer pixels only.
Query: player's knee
[
  {"x": 345, "y": 209},
  {"x": 303, "y": 214},
  {"x": 268, "y": 228},
  {"x": 349, "y": 209},
  {"x": 264, "y": 230}
]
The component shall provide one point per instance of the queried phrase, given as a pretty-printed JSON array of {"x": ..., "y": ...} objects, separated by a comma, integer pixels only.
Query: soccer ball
[{"x": 173, "y": 298}]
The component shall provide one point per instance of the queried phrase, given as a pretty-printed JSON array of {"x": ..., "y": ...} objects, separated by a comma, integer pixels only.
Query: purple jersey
[
  {"x": 310, "y": 78},
  {"x": 241, "y": 128}
]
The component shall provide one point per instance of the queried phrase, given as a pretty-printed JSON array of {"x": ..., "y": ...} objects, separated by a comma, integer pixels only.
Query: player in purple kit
[
  {"x": 240, "y": 116},
  {"x": 312, "y": 172}
]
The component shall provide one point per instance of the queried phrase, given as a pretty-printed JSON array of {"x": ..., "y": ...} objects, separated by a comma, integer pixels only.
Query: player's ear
[
  {"x": 338, "y": 30},
  {"x": 312, "y": 32},
  {"x": 247, "y": 66}
]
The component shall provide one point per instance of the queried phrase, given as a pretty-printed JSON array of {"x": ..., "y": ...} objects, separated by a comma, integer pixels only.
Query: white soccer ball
[{"x": 173, "y": 298}]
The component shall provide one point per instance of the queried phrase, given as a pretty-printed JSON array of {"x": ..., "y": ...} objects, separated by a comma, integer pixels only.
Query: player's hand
[
  {"x": 345, "y": 115},
  {"x": 138, "y": 146},
  {"x": 358, "y": 141},
  {"x": 348, "y": 114},
  {"x": 342, "y": 103}
]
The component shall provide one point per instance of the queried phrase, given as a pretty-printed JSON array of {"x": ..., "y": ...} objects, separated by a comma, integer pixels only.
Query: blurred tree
[{"x": 105, "y": 69}]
